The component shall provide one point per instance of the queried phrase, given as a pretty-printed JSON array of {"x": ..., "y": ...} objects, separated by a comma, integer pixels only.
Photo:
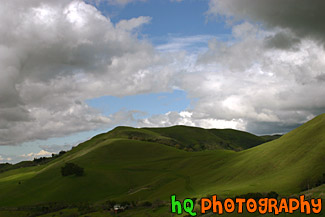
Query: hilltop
[{"x": 193, "y": 138}]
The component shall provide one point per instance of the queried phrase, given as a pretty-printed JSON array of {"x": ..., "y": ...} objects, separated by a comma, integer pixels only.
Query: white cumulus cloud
[{"x": 56, "y": 54}]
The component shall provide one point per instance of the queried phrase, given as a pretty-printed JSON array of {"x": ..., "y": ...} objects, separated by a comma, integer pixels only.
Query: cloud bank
[
  {"x": 268, "y": 78},
  {"x": 56, "y": 54},
  {"x": 304, "y": 18}
]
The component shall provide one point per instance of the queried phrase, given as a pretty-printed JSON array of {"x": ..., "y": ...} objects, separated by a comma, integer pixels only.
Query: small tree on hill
[{"x": 72, "y": 169}]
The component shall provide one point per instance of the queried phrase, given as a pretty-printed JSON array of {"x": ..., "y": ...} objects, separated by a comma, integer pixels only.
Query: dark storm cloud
[
  {"x": 262, "y": 128},
  {"x": 305, "y": 18},
  {"x": 282, "y": 40}
]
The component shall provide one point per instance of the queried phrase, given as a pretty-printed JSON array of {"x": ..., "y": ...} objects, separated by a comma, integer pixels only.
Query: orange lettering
[
  {"x": 229, "y": 205},
  {"x": 283, "y": 205},
  {"x": 317, "y": 208},
  {"x": 303, "y": 204},
  {"x": 273, "y": 205},
  {"x": 240, "y": 202},
  {"x": 263, "y": 205},
  {"x": 205, "y": 201},
  {"x": 216, "y": 203},
  {"x": 291, "y": 207},
  {"x": 251, "y": 205}
]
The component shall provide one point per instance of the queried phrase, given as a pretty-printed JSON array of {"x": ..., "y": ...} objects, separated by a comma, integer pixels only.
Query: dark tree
[
  {"x": 62, "y": 153},
  {"x": 72, "y": 169},
  {"x": 146, "y": 204}
]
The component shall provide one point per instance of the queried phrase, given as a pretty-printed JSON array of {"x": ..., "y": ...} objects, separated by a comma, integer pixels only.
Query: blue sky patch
[{"x": 151, "y": 104}]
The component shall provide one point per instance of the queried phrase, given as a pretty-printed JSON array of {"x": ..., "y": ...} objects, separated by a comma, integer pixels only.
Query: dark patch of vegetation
[
  {"x": 41, "y": 209},
  {"x": 72, "y": 169},
  {"x": 258, "y": 195},
  {"x": 84, "y": 208},
  {"x": 109, "y": 204},
  {"x": 268, "y": 138},
  {"x": 255, "y": 196},
  {"x": 313, "y": 183},
  {"x": 146, "y": 204},
  {"x": 272, "y": 194}
]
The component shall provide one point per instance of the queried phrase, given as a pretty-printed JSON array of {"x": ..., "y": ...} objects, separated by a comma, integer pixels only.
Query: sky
[{"x": 70, "y": 69}]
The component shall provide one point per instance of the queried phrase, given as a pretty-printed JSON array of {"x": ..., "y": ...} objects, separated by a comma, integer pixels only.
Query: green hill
[
  {"x": 288, "y": 164},
  {"x": 181, "y": 137},
  {"x": 135, "y": 165}
]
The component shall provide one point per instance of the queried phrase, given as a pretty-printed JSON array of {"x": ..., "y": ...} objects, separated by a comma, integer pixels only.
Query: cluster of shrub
[
  {"x": 190, "y": 147},
  {"x": 43, "y": 209},
  {"x": 169, "y": 142},
  {"x": 84, "y": 208},
  {"x": 257, "y": 195},
  {"x": 72, "y": 169},
  {"x": 109, "y": 204},
  {"x": 312, "y": 183}
]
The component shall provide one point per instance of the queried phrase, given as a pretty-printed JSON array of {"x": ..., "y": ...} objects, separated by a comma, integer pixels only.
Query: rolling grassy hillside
[
  {"x": 181, "y": 137},
  {"x": 288, "y": 164},
  {"x": 120, "y": 166}
]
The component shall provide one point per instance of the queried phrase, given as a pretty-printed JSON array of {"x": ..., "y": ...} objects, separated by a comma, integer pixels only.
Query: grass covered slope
[
  {"x": 115, "y": 168},
  {"x": 181, "y": 137},
  {"x": 289, "y": 164},
  {"x": 118, "y": 165}
]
